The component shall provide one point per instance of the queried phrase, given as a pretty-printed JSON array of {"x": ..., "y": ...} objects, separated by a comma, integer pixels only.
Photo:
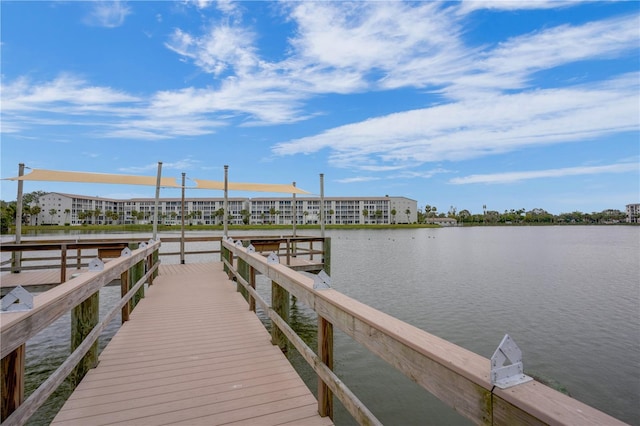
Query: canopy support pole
[
  {"x": 226, "y": 201},
  {"x": 322, "y": 205},
  {"x": 17, "y": 260},
  {"x": 182, "y": 222},
  {"x": 157, "y": 203},
  {"x": 295, "y": 212}
]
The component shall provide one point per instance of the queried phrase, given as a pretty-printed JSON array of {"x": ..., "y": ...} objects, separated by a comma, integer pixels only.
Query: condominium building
[
  {"x": 633, "y": 213},
  {"x": 72, "y": 209}
]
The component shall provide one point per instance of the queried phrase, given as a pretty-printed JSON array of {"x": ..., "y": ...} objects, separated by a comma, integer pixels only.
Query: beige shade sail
[
  {"x": 258, "y": 187},
  {"x": 85, "y": 177}
]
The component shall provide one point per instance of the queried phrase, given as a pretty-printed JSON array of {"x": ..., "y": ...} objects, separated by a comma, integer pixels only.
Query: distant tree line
[{"x": 522, "y": 216}]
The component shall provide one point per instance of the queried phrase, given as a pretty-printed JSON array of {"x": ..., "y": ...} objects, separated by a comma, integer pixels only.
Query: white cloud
[
  {"x": 179, "y": 165},
  {"x": 66, "y": 91},
  {"x": 510, "y": 177},
  {"x": 357, "y": 179},
  {"x": 345, "y": 48},
  {"x": 478, "y": 127},
  {"x": 108, "y": 14},
  {"x": 469, "y": 6}
]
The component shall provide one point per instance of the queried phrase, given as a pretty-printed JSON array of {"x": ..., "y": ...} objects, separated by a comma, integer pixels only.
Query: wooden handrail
[
  {"x": 455, "y": 375},
  {"x": 18, "y": 327}
]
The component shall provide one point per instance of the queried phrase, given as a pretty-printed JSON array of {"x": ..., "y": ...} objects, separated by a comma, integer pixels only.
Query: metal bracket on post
[
  {"x": 251, "y": 249},
  {"x": 96, "y": 265},
  {"x": 273, "y": 259},
  {"x": 142, "y": 244},
  {"x": 322, "y": 281},
  {"x": 126, "y": 252},
  {"x": 507, "y": 368},
  {"x": 151, "y": 241},
  {"x": 17, "y": 300},
  {"x": 239, "y": 244}
]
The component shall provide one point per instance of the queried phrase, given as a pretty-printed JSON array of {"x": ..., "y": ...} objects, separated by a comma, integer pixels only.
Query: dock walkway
[{"x": 192, "y": 353}]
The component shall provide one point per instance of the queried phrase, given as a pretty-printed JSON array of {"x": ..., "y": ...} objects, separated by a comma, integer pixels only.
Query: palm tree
[
  {"x": 245, "y": 216},
  {"x": 272, "y": 212},
  {"x": 35, "y": 211},
  {"x": 378, "y": 215},
  {"x": 96, "y": 215},
  {"x": 305, "y": 214},
  {"x": 365, "y": 213},
  {"x": 67, "y": 212},
  {"x": 393, "y": 215},
  {"x": 52, "y": 212}
]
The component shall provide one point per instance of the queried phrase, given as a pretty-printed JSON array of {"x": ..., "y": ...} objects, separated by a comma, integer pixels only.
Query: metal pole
[
  {"x": 17, "y": 260},
  {"x": 322, "y": 205},
  {"x": 157, "y": 203},
  {"x": 182, "y": 223},
  {"x": 295, "y": 212},
  {"x": 226, "y": 200}
]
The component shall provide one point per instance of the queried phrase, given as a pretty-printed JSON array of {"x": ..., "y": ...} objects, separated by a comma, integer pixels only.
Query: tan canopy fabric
[
  {"x": 258, "y": 187},
  {"x": 84, "y": 177}
]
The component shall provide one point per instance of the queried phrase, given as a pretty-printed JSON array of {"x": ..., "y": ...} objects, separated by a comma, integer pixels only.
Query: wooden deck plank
[
  {"x": 35, "y": 278},
  {"x": 192, "y": 352}
]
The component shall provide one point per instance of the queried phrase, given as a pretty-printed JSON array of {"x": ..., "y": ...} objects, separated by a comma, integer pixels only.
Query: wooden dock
[{"x": 192, "y": 353}]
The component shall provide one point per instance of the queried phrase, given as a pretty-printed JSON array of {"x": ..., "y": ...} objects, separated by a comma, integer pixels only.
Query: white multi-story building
[
  {"x": 633, "y": 213},
  {"x": 59, "y": 209}
]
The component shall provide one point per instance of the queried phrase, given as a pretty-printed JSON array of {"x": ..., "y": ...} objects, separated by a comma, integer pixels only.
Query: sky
[{"x": 524, "y": 104}]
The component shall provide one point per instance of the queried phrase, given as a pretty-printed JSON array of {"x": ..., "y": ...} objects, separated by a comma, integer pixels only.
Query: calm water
[{"x": 569, "y": 296}]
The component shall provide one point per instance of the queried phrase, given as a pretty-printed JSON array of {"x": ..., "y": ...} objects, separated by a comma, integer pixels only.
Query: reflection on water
[{"x": 569, "y": 296}]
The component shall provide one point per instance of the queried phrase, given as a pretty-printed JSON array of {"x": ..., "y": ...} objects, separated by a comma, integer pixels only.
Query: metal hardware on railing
[
  {"x": 17, "y": 300},
  {"x": 251, "y": 249},
  {"x": 322, "y": 281},
  {"x": 507, "y": 368},
  {"x": 96, "y": 265},
  {"x": 142, "y": 244},
  {"x": 238, "y": 243},
  {"x": 273, "y": 258},
  {"x": 126, "y": 252}
]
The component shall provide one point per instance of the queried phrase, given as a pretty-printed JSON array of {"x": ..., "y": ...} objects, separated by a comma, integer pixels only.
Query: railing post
[
  {"x": 135, "y": 273},
  {"x": 124, "y": 289},
  {"x": 326, "y": 261},
  {"x": 78, "y": 258},
  {"x": 149, "y": 262},
  {"x": 252, "y": 283},
  {"x": 288, "y": 252},
  {"x": 325, "y": 353},
  {"x": 84, "y": 318},
  {"x": 243, "y": 270},
  {"x": 63, "y": 263},
  {"x": 156, "y": 259},
  {"x": 280, "y": 304},
  {"x": 311, "y": 250},
  {"x": 13, "y": 366}
]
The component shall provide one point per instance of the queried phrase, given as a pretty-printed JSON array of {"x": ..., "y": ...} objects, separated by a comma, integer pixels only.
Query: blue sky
[{"x": 527, "y": 104}]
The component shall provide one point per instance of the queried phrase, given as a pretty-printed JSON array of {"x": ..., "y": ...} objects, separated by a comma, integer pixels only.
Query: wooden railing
[
  {"x": 458, "y": 377},
  {"x": 103, "y": 249},
  {"x": 79, "y": 295},
  {"x": 77, "y": 253}
]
